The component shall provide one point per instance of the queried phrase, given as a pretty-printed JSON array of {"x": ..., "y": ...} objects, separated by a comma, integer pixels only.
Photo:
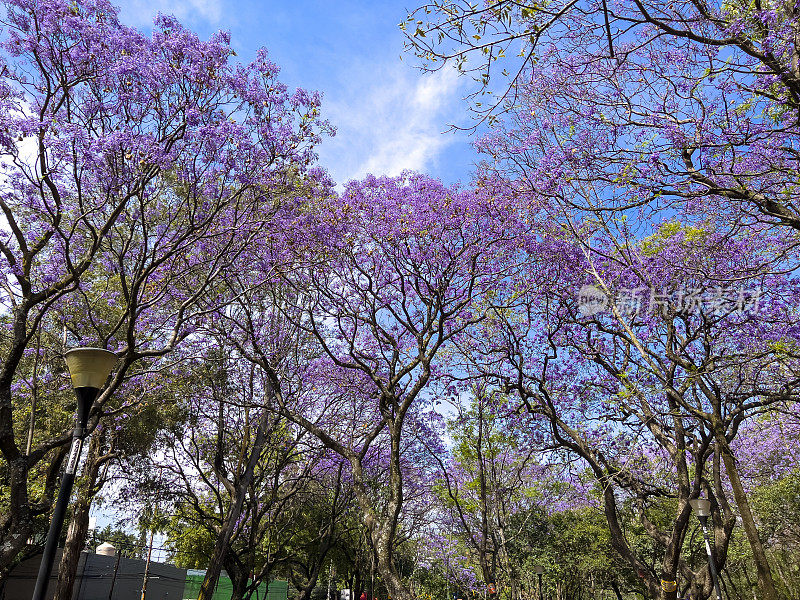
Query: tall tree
[
  {"x": 637, "y": 107},
  {"x": 650, "y": 387},
  {"x": 378, "y": 280},
  {"x": 489, "y": 488},
  {"x": 142, "y": 162},
  {"x": 230, "y": 471}
]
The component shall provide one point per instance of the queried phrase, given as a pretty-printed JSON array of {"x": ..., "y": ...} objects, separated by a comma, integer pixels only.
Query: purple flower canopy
[{"x": 610, "y": 309}]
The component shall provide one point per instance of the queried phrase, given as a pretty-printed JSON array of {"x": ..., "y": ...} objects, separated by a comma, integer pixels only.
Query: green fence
[{"x": 277, "y": 590}]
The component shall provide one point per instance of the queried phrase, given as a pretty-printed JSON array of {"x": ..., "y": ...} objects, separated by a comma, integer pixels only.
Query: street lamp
[
  {"x": 89, "y": 368},
  {"x": 702, "y": 509},
  {"x": 539, "y": 569}
]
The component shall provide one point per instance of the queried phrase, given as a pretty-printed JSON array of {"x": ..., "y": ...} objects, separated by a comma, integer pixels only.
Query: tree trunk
[
  {"x": 79, "y": 523},
  {"x": 76, "y": 536},
  {"x": 232, "y": 518},
  {"x": 765, "y": 582},
  {"x": 386, "y": 526},
  {"x": 316, "y": 567},
  {"x": 394, "y": 584},
  {"x": 18, "y": 522},
  {"x": 382, "y": 527},
  {"x": 615, "y": 587},
  {"x": 239, "y": 586}
]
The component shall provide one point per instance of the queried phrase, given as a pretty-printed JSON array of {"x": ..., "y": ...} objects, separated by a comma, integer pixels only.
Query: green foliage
[
  {"x": 126, "y": 544},
  {"x": 778, "y": 507},
  {"x": 190, "y": 545},
  {"x": 690, "y": 236}
]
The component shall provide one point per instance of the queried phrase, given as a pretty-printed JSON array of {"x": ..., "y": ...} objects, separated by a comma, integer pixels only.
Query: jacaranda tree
[
  {"x": 134, "y": 169},
  {"x": 651, "y": 384},
  {"x": 639, "y": 111},
  {"x": 386, "y": 275}
]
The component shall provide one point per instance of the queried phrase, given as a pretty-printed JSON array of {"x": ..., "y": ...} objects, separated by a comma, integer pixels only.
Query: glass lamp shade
[
  {"x": 538, "y": 569},
  {"x": 89, "y": 367},
  {"x": 701, "y": 507}
]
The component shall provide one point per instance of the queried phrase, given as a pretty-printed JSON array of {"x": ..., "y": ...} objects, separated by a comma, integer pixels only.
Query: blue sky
[{"x": 388, "y": 115}]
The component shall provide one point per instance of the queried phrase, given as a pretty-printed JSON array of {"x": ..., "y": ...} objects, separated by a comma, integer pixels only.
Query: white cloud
[
  {"x": 140, "y": 13},
  {"x": 388, "y": 119}
]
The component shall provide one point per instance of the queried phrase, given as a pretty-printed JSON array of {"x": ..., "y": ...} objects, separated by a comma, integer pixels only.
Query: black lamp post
[
  {"x": 539, "y": 569},
  {"x": 89, "y": 368},
  {"x": 702, "y": 509}
]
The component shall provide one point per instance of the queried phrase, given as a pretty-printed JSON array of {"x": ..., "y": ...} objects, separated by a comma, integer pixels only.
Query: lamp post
[
  {"x": 702, "y": 509},
  {"x": 89, "y": 368},
  {"x": 539, "y": 569}
]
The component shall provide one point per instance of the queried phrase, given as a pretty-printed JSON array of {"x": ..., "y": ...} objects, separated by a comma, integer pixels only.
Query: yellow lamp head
[{"x": 89, "y": 367}]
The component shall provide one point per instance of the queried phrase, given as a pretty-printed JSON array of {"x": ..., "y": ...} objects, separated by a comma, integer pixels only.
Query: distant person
[{"x": 363, "y": 596}]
